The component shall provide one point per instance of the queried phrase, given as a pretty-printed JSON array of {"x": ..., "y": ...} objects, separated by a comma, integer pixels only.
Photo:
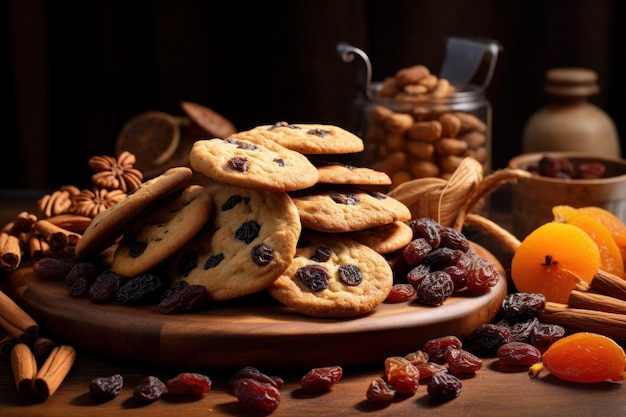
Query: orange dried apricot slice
[
  {"x": 610, "y": 255},
  {"x": 585, "y": 357},
  {"x": 552, "y": 259}
]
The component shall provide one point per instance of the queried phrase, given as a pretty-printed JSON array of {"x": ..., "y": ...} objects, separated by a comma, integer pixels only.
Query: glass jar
[{"x": 411, "y": 137}]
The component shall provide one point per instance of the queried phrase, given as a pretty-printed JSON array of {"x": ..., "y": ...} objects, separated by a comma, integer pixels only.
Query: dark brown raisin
[
  {"x": 322, "y": 254},
  {"x": 482, "y": 275},
  {"x": 434, "y": 288},
  {"x": 104, "y": 287},
  {"x": 213, "y": 261},
  {"x": 54, "y": 268},
  {"x": 106, "y": 388},
  {"x": 239, "y": 163},
  {"x": 441, "y": 257},
  {"x": 283, "y": 124},
  {"x": 256, "y": 395},
  {"x": 488, "y": 337},
  {"x": 436, "y": 348},
  {"x": 461, "y": 361},
  {"x": 458, "y": 276},
  {"x": 79, "y": 287},
  {"x": 416, "y": 250},
  {"x": 321, "y": 133},
  {"x": 142, "y": 289},
  {"x": 136, "y": 249},
  {"x": 233, "y": 200},
  {"x": 321, "y": 379},
  {"x": 174, "y": 288},
  {"x": 188, "y": 383},
  {"x": 149, "y": 389},
  {"x": 380, "y": 390},
  {"x": 453, "y": 239},
  {"x": 255, "y": 373},
  {"x": 186, "y": 300},
  {"x": 248, "y": 231},
  {"x": 428, "y": 229},
  {"x": 262, "y": 254},
  {"x": 347, "y": 199},
  {"x": 518, "y": 353},
  {"x": 544, "y": 334},
  {"x": 188, "y": 262},
  {"x": 444, "y": 387},
  {"x": 416, "y": 274},
  {"x": 521, "y": 306},
  {"x": 350, "y": 275},
  {"x": 82, "y": 269},
  {"x": 313, "y": 276},
  {"x": 520, "y": 331},
  {"x": 280, "y": 162}
]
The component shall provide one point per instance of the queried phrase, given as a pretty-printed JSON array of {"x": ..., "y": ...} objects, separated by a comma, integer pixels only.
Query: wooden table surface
[{"x": 492, "y": 391}]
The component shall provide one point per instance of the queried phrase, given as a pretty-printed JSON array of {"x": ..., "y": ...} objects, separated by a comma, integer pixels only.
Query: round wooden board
[{"x": 251, "y": 331}]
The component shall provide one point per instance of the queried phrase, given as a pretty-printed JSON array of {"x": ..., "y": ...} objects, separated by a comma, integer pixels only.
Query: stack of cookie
[{"x": 313, "y": 235}]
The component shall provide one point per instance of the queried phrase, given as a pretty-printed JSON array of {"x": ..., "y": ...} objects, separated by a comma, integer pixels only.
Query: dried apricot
[
  {"x": 585, "y": 357},
  {"x": 552, "y": 259},
  {"x": 610, "y": 254}
]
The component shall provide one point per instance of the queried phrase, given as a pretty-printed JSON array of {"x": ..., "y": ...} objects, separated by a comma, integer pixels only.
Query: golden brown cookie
[
  {"x": 110, "y": 224},
  {"x": 347, "y": 209},
  {"x": 162, "y": 231},
  {"x": 308, "y": 139},
  {"x": 386, "y": 238},
  {"x": 333, "y": 277},
  {"x": 338, "y": 173},
  {"x": 246, "y": 245},
  {"x": 268, "y": 167},
  {"x": 212, "y": 123}
]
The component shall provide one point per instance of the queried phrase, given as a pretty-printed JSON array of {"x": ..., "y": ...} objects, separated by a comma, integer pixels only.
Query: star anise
[
  {"x": 91, "y": 202},
  {"x": 116, "y": 174}
]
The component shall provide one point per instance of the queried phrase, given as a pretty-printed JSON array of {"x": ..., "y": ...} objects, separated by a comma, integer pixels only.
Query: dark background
[{"x": 76, "y": 71}]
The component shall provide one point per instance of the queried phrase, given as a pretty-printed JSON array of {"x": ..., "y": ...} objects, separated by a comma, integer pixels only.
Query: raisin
[
  {"x": 149, "y": 389},
  {"x": 521, "y": 331},
  {"x": 428, "y": 229},
  {"x": 544, "y": 334},
  {"x": 262, "y": 254},
  {"x": 400, "y": 293},
  {"x": 347, "y": 199},
  {"x": 174, "y": 288},
  {"x": 518, "y": 353},
  {"x": 136, "y": 249},
  {"x": 441, "y": 257},
  {"x": 416, "y": 274},
  {"x": 186, "y": 300},
  {"x": 434, "y": 288},
  {"x": 256, "y": 395},
  {"x": 402, "y": 375},
  {"x": 429, "y": 369},
  {"x": 461, "y": 361},
  {"x": 417, "y": 358},
  {"x": 521, "y": 306},
  {"x": 590, "y": 170},
  {"x": 436, "y": 348},
  {"x": 79, "y": 287},
  {"x": 142, "y": 289},
  {"x": 489, "y": 337},
  {"x": 416, "y": 250},
  {"x": 321, "y": 133},
  {"x": 453, "y": 239},
  {"x": 322, "y": 254},
  {"x": 213, "y": 261},
  {"x": 248, "y": 231},
  {"x": 321, "y": 379},
  {"x": 188, "y": 383},
  {"x": 283, "y": 124},
  {"x": 188, "y": 262},
  {"x": 350, "y": 275},
  {"x": 280, "y": 162},
  {"x": 444, "y": 387},
  {"x": 81, "y": 269},
  {"x": 380, "y": 391},
  {"x": 106, "y": 388},
  {"x": 313, "y": 276},
  {"x": 233, "y": 200},
  {"x": 239, "y": 163},
  {"x": 104, "y": 287},
  {"x": 483, "y": 275},
  {"x": 54, "y": 268},
  {"x": 458, "y": 275},
  {"x": 254, "y": 373}
]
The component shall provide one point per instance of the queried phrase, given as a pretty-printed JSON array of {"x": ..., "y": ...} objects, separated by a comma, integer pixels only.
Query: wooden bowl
[{"x": 534, "y": 197}]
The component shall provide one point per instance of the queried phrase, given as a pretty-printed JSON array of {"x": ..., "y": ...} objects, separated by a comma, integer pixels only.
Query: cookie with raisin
[
  {"x": 241, "y": 163},
  {"x": 109, "y": 225},
  {"x": 339, "y": 173},
  {"x": 308, "y": 139},
  {"x": 333, "y": 277},
  {"x": 347, "y": 209},
  {"x": 160, "y": 233},
  {"x": 385, "y": 239},
  {"x": 248, "y": 242}
]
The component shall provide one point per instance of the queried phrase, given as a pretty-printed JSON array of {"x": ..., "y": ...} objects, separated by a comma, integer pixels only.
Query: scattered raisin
[
  {"x": 489, "y": 337},
  {"x": 188, "y": 383},
  {"x": 521, "y": 306},
  {"x": 402, "y": 375},
  {"x": 461, "y": 361},
  {"x": 521, "y": 331},
  {"x": 400, "y": 293},
  {"x": 518, "y": 353},
  {"x": 149, "y": 389},
  {"x": 256, "y": 395},
  {"x": 436, "y": 348},
  {"x": 434, "y": 288},
  {"x": 380, "y": 390},
  {"x": 106, "y": 388},
  {"x": 321, "y": 379},
  {"x": 254, "y": 373},
  {"x": 50, "y": 268},
  {"x": 429, "y": 369},
  {"x": 142, "y": 289},
  {"x": 104, "y": 287},
  {"x": 544, "y": 334},
  {"x": 444, "y": 387},
  {"x": 417, "y": 358},
  {"x": 186, "y": 300}
]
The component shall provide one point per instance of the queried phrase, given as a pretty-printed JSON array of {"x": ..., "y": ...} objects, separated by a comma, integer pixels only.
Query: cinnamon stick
[
  {"x": 22, "y": 223},
  {"x": 16, "y": 321},
  {"x": 10, "y": 252},
  {"x": 53, "y": 371},
  {"x": 72, "y": 222},
  {"x": 595, "y": 301},
  {"x": 609, "y": 284},
  {"x": 585, "y": 320},
  {"x": 38, "y": 247},
  {"x": 24, "y": 367}
]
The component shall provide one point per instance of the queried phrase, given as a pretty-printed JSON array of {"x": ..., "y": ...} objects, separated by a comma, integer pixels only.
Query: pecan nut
[{"x": 116, "y": 174}]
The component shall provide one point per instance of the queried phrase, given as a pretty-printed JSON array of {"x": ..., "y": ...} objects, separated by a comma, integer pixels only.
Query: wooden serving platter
[{"x": 253, "y": 331}]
